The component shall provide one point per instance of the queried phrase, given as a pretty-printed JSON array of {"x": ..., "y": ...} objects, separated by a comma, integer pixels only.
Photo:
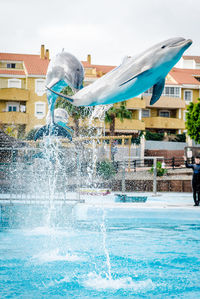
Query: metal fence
[{"x": 29, "y": 172}]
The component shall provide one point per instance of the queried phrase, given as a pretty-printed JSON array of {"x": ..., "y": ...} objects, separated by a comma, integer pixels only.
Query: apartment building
[
  {"x": 167, "y": 115},
  {"x": 23, "y": 102},
  {"x": 182, "y": 87}
]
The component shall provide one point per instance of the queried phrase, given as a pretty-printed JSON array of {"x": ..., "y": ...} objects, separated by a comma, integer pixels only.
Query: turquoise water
[{"x": 115, "y": 253}]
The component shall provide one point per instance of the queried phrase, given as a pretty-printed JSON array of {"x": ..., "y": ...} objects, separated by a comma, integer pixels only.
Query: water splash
[
  {"x": 99, "y": 112},
  {"x": 108, "y": 264},
  {"x": 55, "y": 256},
  {"x": 99, "y": 282}
]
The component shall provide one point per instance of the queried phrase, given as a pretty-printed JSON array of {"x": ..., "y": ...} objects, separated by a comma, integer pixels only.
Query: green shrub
[
  {"x": 154, "y": 136},
  {"x": 160, "y": 171},
  {"x": 180, "y": 138},
  {"x": 106, "y": 169}
]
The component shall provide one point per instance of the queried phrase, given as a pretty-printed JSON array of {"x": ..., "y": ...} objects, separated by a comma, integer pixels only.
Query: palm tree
[
  {"x": 117, "y": 112},
  {"x": 75, "y": 112}
]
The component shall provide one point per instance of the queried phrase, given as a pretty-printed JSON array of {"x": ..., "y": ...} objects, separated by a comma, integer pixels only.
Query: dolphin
[
  {"x": 63, "y": 70},
  {"x": 134, "y": 76}
]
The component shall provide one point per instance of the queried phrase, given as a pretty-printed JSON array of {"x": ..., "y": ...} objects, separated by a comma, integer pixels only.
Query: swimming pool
[{"x": 110, "y": 253}]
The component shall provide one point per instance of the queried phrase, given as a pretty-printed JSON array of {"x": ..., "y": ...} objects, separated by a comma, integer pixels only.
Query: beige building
[{"x": 23, "y": 103}]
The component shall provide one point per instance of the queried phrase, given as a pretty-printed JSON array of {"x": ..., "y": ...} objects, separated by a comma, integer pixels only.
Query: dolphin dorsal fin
[
  {"x": 157, "y": 91},
  {"x": 125, "y": 59}
]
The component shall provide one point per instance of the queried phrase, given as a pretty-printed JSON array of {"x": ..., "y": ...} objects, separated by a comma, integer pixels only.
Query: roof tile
[
  {"x": 33, "y": 63},
  {"x": 185, "y": 76}
]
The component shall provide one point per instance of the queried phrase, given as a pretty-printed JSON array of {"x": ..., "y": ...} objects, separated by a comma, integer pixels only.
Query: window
[
  {"x": 12, "y": 107},
  {"x": 40, "y": 109},
  {"x": 169, "y": 91},
  {"x": 184, "y": 115},
  {"x": 40, "y": 87},
  {"x": 16, "y": 83},
  {"x": 164, "y": 113},
  {"x": 23, "y": 108},
  {"x": 188, "y": 95},
  {"x": 11, "y": 65},
  {"x": 173, "y": 92},
  {"x": 145, "y": 113}
]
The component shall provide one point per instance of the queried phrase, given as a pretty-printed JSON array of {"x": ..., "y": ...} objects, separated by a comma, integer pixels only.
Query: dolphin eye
[
  {"x": 163, "y": 47},
  {"x": 77, "y": 70}
]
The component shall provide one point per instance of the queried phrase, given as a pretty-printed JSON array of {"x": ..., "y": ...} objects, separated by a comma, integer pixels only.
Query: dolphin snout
[{"x": 181, "y": 43}]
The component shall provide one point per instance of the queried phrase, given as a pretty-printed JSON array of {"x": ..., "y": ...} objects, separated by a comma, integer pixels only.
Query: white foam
[
  {"x": 52, "y": 283},
  {"x": 55, "y": 255},
  {"x": 98, "y": 282},
  {"x": 46, "y": 231}
]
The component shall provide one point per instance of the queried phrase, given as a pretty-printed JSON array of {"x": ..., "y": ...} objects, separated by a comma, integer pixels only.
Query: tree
[
  {"x": 75, "y": 112},
  {"x": 117, "y": 112},
  {"x": 193, "y": 121}
]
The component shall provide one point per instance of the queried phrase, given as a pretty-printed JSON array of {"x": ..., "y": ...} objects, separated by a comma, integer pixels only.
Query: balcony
[
  {"x": 134, "y": 103},
  {"x": 164, "y": 123},
  {"x": 15, "y": 118},
  {"x": 165, "y": 102},
  {"x": 14, "y": 94},
  {"x": 128, "y": 125}
]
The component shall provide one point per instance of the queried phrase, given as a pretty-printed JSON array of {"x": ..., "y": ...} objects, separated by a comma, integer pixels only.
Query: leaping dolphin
[
  {"x": 63, "y": 70},
  {"x": 134, "y": 76}
]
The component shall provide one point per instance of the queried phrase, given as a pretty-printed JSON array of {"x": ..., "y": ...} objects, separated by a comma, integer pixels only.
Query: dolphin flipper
[
  {"x": 157, "y": 91},
  {"x": 145, "y": 72},
  {"x": 52, "y": 130}
]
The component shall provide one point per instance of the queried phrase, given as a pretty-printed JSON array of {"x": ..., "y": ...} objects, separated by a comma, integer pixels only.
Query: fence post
[
  {"x": 123, "y": 176},
  {"x": 129, "y": 154},
  {"x": 173, "y": 162},
  {"x": 134, "y": 165},
  {"x": 154, "y": 176}
]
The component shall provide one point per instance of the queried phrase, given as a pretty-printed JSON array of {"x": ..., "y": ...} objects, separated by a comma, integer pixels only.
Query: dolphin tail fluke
[
  {"x": 66, "y": 97},
  {"x": 52, "y": 130}
]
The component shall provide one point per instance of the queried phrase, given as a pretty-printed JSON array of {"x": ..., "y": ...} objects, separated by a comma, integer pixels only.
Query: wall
[
  {"x": 147, "y": 185},
  {"x": 164, "y": 145}
]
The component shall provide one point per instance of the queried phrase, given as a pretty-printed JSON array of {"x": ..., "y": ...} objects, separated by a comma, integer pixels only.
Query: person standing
[{"x": 195, "y": 179}]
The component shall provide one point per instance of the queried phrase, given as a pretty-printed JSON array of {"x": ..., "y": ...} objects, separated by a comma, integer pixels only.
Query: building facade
[{"x": 23, "y": 103}]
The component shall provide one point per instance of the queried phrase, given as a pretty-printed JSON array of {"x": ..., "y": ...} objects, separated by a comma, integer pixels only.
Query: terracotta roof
[
  {"x": 185, "y": 76},
  {"x": 99, "y": 68},
  {"x": 165, "y": 102},
  {"x": 169, "y": 80},
  {"x": 195, "y": 58},
  {"x": 33, "y": 63}
]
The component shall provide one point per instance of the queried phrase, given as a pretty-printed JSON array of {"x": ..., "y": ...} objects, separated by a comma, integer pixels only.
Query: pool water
[{"x": 114, "y": 253}]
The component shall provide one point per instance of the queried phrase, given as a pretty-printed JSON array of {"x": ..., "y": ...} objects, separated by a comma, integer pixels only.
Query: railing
[
  {"x": 169, "y": 163},
  {"x": 27, "y": 171}
]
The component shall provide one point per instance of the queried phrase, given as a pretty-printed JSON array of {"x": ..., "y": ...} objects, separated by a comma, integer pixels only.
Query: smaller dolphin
[
  {"x": 60, "y": 117},
  {"x": 63, "y": 70},
  {"x": 134, "y": 76}
]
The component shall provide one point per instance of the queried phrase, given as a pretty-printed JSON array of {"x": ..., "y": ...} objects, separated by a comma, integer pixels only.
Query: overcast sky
[{"x": 106, "y": 29}]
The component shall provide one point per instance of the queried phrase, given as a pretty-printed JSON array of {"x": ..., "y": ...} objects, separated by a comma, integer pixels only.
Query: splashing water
[
  {"x": 98, "y": 282},
  {"x": 103, "y": 230},
  {"x": 55, "y": 255},
  {"x": 99, "y": 112}
]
